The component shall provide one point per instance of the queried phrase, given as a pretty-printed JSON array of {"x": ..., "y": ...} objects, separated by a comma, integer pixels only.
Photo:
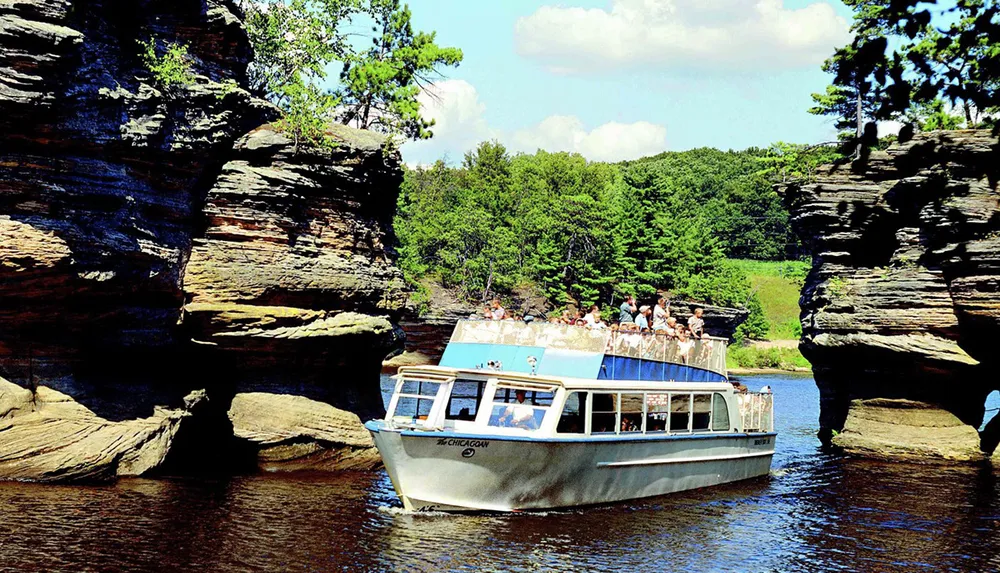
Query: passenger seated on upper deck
[
  {"x": 495, "y": 311},
  {"x": 518, "y": 414},
  {"x": 593, "y": 318},
  {"x": 671, "y": 327},
  {"x": 684, "y": 345}
]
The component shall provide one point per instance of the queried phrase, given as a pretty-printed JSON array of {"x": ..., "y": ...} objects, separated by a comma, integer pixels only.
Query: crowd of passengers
[{"x": 631, "y": 318}]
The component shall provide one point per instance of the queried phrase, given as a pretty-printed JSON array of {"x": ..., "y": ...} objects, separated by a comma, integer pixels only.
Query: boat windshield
[
  {"x": 517, "y": 407},
  {"x": 413, "y": 399}
]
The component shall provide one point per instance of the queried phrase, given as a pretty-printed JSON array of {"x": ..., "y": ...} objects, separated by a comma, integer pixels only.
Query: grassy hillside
[{"x": 778, "y": 284}]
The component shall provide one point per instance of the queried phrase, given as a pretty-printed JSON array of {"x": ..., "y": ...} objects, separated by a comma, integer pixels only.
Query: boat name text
[
  {"x": 762, "y": 442},
  {"x": 463, "y": 443}
]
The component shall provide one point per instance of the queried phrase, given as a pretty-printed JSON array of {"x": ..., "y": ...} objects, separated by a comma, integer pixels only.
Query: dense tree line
[{"x": 587, "y": 233}]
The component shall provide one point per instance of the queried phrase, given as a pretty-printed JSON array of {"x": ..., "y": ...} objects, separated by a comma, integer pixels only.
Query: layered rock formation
[
  {"x": 296, "y": 433},
  {"x": 903, "y": 300},
  {"x": 294, "y": 278},
  {"x": 155, "y": 239},
  {"x": 107, "y": 165},
  {"x": 47, "y": 436}
]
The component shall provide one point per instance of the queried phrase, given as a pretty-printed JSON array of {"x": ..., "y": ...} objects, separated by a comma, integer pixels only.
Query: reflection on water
[{"x": 816, "y": 512}]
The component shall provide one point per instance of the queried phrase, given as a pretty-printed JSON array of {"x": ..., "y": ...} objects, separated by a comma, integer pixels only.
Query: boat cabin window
[
  {"x": 515, "y": 407},
  {"x": 680, "y": 412},
  {"x": 657, "y": 412},
  {"x": 702, "y": 418},
  {"x": 631, "y": 413},
  {"x": 572, "y": 420},
  {"x": 720, "y": 413},
  {"x": 414, "y": 400},
  {"x": 651, "y": 412},
  {"x": 463, "y": 404},
  {"x": 604, "y": 414}
]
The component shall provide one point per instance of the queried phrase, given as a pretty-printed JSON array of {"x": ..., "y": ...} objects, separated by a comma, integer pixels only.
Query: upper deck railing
[
  {"x": 707, "y": 353},
  {"x": 756, "y": 411}
]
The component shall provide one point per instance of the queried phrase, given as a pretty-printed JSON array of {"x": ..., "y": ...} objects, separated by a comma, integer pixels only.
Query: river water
[{"x": 815, "y": 512}]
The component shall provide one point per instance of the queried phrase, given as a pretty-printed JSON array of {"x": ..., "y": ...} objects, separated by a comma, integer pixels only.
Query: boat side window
[
  {"x": 572, "y": 419},
  {"x": 414, "y": 400},
  {"x": 631, "y": 413},
  {"x": 603, "y": 415},
  {"x": 463, "y": 404},
  {"x": 514, "y": 407},
  {"x": 701, "y": 420},
  {"x": 657, "y": 412},
  {"x": 720, "y": 413},
  {"x": 680, "y": 412}
]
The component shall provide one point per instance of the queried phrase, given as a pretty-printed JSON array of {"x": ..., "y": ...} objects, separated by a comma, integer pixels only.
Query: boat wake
[{"x": 396, "y": 510}]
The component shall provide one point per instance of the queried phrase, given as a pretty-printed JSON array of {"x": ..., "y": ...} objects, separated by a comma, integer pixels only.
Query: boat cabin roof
[
  {"x": 566, "y": 351},
  {"x": 542, "y": 382}
]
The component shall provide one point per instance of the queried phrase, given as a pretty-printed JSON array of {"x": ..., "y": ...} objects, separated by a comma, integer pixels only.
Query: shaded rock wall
[
  {"x": 296, "y": 433},
  {"x": 903, "y": 299},
  {"x": 107, "y": 170}
]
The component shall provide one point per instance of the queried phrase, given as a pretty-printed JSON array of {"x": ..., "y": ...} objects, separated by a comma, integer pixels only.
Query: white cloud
[
  {"x": 455, "y": 107},
  {"x": 889, "y": 128},
  {"x": 461, "y": 126},
  {"x": 609, "y": 142},
  {"x": 738, "y": 34}
]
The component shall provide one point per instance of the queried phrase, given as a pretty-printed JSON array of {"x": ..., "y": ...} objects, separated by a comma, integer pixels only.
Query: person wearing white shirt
[
  {"x": 518, "y": 414},
  {"x": 660, "y": 314}
]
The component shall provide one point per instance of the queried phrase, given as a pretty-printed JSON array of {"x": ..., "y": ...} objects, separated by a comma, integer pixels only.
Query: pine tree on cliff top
[
  {"x": 900, "y": 58},
  {"x": 296, "y": 41}
]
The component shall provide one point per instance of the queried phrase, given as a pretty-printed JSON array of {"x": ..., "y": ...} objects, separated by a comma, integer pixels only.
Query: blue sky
[{"x": 618, "y": 79}]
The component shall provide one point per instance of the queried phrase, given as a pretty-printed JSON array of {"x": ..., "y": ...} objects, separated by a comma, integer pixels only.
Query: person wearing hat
[{"x": 642, "y": 319}]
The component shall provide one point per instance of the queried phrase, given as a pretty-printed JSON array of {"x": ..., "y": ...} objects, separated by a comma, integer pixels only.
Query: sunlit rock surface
[
  {"x": 904, "y": 429},
  {"x": 47, "y": 436},
  {"x": 296, "y": 433},
  {"x": 903, "y": 301}
]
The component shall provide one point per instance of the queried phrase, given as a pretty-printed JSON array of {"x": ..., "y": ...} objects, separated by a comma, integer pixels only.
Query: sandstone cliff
[
  {"x": 157, "y": 240},
  {"x": 903, "y": 300}
]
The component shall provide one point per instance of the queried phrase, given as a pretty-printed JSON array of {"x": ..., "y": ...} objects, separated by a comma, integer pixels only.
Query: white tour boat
[{"x": 533, "y": 416}]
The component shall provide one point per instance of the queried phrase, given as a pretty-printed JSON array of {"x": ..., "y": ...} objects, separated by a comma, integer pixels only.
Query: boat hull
[{"x": 462, "y": 472}]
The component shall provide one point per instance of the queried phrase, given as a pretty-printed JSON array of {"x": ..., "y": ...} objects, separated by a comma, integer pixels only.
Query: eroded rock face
[
  {"x": 294, "y": 277},
  {"x": 296, "y": 433},
  {"x": 47, "y": 436},
  {"x": 104, "y": 170},
  {"x": 904, "y": 429},
  {"x": 148, "y": 248},
  {"x": 902, "y": 301}
]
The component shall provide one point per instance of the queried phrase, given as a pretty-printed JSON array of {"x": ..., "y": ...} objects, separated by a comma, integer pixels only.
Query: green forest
[{"x": 585, "y": 233}]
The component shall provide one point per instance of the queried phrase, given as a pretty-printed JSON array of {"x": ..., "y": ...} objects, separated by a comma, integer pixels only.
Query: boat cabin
[
  {"x": 445, "y": 399},
  {"x": 507, "y": 377}
]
